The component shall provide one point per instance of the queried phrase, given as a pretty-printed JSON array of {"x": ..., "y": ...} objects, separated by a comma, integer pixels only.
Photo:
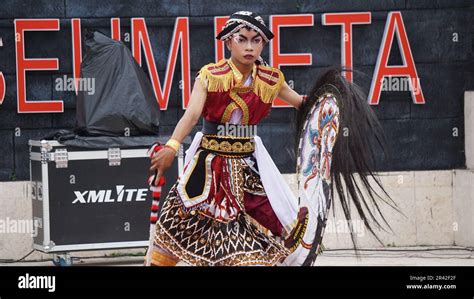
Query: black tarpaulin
[{"x": 123, "y": 102}]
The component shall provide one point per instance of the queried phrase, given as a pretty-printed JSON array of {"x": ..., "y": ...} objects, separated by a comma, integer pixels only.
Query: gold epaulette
[
  {"x": 216, "y": 76},
  {"x": 268, "y": 83}
]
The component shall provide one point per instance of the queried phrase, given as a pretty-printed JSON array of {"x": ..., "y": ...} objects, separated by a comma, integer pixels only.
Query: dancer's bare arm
[
  {"x": 164, "y": 158},
  {"x": 290, "y": 96}
]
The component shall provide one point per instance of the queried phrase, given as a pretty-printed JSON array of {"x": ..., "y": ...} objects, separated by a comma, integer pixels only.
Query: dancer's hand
[
  {"x": 288, "y": 95},
  {"x": 162, "y": 160}
]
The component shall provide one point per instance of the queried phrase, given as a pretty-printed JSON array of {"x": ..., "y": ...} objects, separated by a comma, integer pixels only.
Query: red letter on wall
[
  {"x": 180, "y": 35},
  {"x": 76, "y": 51},
  {"x": 115, "y": 28},
  {"x": 346, "y": 20},
  {"x": 3, "y": 88},
  {"x": 408, "y": 69},
  {"x": 23, "y": 64},
  {"x": 219, "y": 49},
  {"x": 276, "y": 58}
]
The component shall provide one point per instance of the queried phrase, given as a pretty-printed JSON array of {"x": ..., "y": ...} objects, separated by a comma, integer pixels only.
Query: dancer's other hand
[{"x": 162, "y": 160}]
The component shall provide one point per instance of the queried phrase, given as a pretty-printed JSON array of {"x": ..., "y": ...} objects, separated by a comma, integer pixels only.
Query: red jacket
[{"x": 225, "y": 91}]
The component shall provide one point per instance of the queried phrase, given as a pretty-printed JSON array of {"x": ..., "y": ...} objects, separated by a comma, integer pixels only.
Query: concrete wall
[
  {"x": 463, "y": 200},
  {"x": 429, "y": 213}
]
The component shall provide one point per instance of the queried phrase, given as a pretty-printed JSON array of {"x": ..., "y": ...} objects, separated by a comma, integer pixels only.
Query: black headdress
[{"x": 243, "y": 19}]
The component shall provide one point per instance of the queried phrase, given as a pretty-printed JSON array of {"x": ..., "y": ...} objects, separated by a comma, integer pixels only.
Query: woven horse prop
[
  {"x": 325, "y": 162},
  {"x": 328, "y": 161},
  {"x": 319, "y": 131}
]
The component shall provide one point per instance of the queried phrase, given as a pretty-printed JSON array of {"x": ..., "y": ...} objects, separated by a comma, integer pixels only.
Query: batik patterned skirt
[{"x": 218, "y": 213}]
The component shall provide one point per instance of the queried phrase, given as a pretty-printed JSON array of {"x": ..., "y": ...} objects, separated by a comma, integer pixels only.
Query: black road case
[{"x": 87, "y": 199}]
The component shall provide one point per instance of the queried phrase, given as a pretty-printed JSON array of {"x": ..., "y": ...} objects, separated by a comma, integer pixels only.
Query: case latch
[
  {"x": 61, "y": 157},
  {"x": 114, "y": 156}
]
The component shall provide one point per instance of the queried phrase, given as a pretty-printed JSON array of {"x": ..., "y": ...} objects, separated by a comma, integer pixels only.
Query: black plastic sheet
[{"x": 123, "y": 102}]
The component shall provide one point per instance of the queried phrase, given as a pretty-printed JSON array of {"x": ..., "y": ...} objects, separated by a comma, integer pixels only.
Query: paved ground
[{"x": 412, "y": 256}]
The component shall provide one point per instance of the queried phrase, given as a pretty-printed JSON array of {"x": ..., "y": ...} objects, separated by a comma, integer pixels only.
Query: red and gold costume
[
  {"x": 218, "y": 212},
  {"x": 231, "y": 205}
]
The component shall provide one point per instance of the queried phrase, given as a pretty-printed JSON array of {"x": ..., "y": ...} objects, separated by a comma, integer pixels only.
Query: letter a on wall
[{"x": 395, "y": 25}]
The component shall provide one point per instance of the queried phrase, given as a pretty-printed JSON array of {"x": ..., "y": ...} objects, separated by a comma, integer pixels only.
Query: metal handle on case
[{"x": 114, "y": 156}]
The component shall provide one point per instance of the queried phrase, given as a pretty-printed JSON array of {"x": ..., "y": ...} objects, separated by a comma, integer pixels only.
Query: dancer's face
[{"x": 245, "y": 46}]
